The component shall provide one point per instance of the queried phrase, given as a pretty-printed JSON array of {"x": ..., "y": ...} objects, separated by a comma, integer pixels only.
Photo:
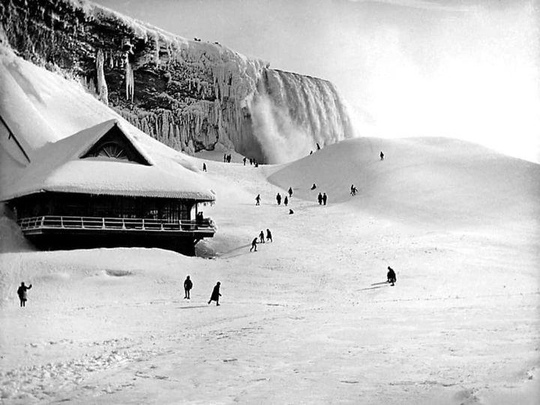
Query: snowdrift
[{"x": 420, "y": 179}]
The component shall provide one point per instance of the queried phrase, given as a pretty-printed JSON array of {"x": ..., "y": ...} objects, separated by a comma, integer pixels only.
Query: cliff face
[{"x": 190, "y": 95}]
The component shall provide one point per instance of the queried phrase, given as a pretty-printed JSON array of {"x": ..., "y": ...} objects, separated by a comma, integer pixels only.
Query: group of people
[
  {"x": 322, "y": 198},
  {"x": 261, "y": 239},
  {"x": 285, "y": 198},
  {"x": 251, "y": 162},
  {"x": 227, "y": 158},
  {"x": 22, "y": 291},
  {"x": 188, "y": 285}
]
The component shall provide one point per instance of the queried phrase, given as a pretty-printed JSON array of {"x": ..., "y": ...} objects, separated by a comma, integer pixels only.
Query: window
[{"x": 111, "y": 150}]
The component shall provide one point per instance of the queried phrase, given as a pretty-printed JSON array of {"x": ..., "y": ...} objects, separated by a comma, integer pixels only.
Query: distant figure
[
  {"x": 245, "y": 159},
  {"x": 204, "y": 167},
  {"x": 261, "y": 237},
  {"x": 318, "y": 146},
  {"x": 290, "y": 192},
  {"x": 324, "y": 198},
  {"x": 215, "y": 294},
  {"x": 278, "y": 199},
  {"x": 21, "y": 292},
  {"x": 229, "y": 157},
  {"x": 291, "y": 212},
  {"x": 391, "y": 276},
  {"x": 188, "y": 285},
  {"x": 319, "y": 198},
  {"x": 258, "y": 199},
  {"x": 268, "y": 235},
  {"x": 353, "y": 190},
  {"x": 286, "y": 201},
  {"x": 314, "y": 186},
  {"x": 225, "y": 158},
  {"x": 311, "y": 152},
  {"x": 381, "y": 155},
  {"x": 253, "y": 245}
]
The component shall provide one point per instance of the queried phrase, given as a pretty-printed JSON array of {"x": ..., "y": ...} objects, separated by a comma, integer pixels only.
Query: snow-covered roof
[{"x": 63, "y": 167}]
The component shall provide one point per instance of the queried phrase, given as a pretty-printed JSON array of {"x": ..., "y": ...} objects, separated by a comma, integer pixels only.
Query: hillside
[
  {"x": 305, "y": 318},
  {"x": 422, "y": 179}
]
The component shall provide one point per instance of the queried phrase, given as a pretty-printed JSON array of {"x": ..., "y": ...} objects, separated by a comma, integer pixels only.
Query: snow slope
[{"x": 308, "y": 318}]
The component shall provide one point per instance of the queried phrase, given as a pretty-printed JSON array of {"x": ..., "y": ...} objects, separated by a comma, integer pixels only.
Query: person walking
[
  {"x": 324, "y": 198},
  {"x": 253, "y": 245},
  {"x": 261, "y": 237},
  {"x": 269, "y": 235},
  {"x": 319, "y": 198},
  {"x": 204, "y": 167},
  {"x": 290, "y": 192},
  {"x": 278, "y": 199},
  {"x": 188, "y": 285},
  {"x": 215, "y": 294},
  {"x": 381, "y": 155},
  {"x": 245, "y": 160},
  {"x": 286, "y": 201},
  {"x": 391, "y": 276},
  {"x": 258, "y": 199},
  {"x": 21, "y": 292}
]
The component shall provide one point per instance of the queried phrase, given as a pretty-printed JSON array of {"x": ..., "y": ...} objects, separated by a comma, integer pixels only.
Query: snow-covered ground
[{"x": 308, "y": 318}]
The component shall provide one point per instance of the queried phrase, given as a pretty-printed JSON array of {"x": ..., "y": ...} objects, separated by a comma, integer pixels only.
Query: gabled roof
[{"x": 65, "y": 166}]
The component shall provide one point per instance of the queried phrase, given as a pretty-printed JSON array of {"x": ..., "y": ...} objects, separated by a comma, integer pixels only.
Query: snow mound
[{"x": 427, "y": 179}]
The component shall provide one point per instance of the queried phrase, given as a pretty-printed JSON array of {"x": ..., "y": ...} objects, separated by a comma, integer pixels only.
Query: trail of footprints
[{"x": 42, "y": 382}]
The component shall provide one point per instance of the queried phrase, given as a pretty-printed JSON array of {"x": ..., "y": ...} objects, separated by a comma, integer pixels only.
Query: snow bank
[{"x": 428, "y": 179}]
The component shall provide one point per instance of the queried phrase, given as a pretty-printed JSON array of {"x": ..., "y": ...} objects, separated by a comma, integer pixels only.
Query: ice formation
[
  {"x": 102, "y": 90},
  {"x": 190, "y": 95}
]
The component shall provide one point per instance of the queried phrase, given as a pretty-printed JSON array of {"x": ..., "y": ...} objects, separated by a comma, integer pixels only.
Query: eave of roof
[{"x": 57, "y": 167}]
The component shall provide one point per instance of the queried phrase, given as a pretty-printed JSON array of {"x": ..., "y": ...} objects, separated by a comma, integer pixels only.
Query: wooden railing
[{"x": 135, "y": 224}]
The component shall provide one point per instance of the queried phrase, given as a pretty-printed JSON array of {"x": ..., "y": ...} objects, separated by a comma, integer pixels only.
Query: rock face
[{"x": 189, "y": 94}]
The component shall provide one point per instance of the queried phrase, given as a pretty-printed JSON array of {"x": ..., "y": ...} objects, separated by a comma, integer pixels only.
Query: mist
[{"x": 280, "y": 139}]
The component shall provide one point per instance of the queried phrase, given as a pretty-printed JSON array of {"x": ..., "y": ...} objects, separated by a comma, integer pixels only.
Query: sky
[{"x": 468, "y": 69}]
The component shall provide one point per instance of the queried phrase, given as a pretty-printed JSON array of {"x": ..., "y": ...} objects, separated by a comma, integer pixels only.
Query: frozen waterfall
[{"x": 291, "y": 113}]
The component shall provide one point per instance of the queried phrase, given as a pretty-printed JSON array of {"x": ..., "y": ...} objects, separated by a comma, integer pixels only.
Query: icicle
[
  {"x": 102, "y": 90},
  {"x": 130, "y": 81}
]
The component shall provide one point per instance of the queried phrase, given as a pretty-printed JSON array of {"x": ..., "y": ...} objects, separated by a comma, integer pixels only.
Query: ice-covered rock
[{"x": 189, "y": 94}]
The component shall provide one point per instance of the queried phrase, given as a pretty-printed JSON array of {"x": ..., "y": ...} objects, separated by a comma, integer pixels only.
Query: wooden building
[{"x": 107, "y": 187}]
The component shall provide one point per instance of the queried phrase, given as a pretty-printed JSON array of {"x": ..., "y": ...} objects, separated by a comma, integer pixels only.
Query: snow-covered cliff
[{"x": 189, "y": 94}]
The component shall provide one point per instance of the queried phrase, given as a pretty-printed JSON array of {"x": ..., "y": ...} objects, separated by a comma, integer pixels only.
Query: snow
[
  {"x": 307, "y": 318},
  {"x": 58, "y": 167}
]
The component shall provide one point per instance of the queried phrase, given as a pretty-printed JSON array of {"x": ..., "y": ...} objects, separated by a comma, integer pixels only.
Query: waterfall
[{"x": 292, "y": 113}]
